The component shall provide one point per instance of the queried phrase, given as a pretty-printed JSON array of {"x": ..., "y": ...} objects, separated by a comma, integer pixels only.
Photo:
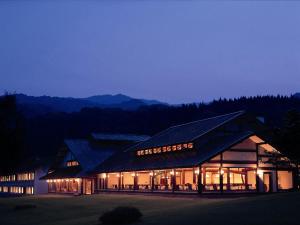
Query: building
[
  {"x": 223, "y": 154},
  {"x": 24, "y": 181},
  {"x": 70, "y": 171}
]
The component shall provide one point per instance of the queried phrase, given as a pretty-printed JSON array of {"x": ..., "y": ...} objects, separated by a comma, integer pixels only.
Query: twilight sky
[{"x": 173, "y": 51}]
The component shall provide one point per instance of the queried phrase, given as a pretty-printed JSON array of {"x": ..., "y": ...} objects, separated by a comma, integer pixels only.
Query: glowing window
[
  {"x": 72, "y": 163},
  {"x": 190, "y": 145}
]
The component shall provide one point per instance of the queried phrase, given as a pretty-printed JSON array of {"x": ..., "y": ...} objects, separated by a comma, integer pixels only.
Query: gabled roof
[
  {"x": 120, "y": 137},
  {"x": 186, "y": 132},
  {"x": 87, "y": 157},
  {"x": 67, "y": 172},
  {"x": 209, "y": 147}
]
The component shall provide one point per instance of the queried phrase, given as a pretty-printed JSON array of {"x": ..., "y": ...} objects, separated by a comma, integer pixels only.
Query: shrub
[
  {"x": 24, "y": 206},
  {"x": 121, "y": 215}
]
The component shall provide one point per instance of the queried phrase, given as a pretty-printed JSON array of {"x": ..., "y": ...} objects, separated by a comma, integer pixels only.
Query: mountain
[
  {"x": 38, "y": 105},
  {"x": 297, "y": 95},
  {"x": 118, "y": 99}
]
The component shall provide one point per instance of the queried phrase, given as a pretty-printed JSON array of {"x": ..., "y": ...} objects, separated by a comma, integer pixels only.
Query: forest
[{"x": 31, "y": 138}]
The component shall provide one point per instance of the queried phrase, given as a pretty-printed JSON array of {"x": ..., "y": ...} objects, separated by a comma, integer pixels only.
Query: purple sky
[{"x": 173, "y": 51}]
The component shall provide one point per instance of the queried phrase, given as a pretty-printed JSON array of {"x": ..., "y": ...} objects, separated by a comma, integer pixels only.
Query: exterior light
[
  {"x": 172, "y": 172},
  {"x": 222, "y": 172},
  {"x": 47, "y": 181},
  {"x": 118, "y": 175},
  {"x": 259, "y": 172},
  {"x": 151, "y": 174},
  {"x": 133, "y": 174},
  {"x": 104, "y": 175},
  {"x": 196, "y": 172}
]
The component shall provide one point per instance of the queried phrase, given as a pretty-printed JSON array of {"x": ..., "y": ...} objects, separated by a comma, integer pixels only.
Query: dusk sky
[{"x": 173, "y": 51}]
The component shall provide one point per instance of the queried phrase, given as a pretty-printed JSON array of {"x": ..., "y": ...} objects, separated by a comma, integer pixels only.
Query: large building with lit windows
[{"x": 223, "y": 154}]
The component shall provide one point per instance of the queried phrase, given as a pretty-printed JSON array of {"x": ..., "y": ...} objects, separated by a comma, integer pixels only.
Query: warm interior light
[{"x": 260, "y": 172}]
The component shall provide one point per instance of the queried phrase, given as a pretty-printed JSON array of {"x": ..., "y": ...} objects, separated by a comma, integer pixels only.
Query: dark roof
[
  {"x": 120, "y": 137},
  {"x": 209, "y": 147},
  {"x": 87, "y": 156},
  {"x": 186, "y": 132},
  {"x": 67, "y": 172}
]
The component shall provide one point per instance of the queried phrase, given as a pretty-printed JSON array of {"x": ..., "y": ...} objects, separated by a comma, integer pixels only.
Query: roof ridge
[
  {"x": 214, "y": 117},
  {"x": 237, "y": 114},
  {"x": 119, "y": 134},
  {"x": 209, "y": 118}
]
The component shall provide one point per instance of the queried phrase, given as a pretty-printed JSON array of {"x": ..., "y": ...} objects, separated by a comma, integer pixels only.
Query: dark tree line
[
  {"x": 288, "y": 136},
  {"x": 11, "y": 134}
]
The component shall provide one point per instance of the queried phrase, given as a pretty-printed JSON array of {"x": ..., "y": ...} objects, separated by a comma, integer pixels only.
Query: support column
[
  {"x": 135, "y": 181},
  {"x": 257, "y": 164},
  {"x": 246, "y": 180},
  {"x": 199, "y": 179},
  {"x": 173, "y": 180},
  {"x": 221, "y": 179},
  {"x": 228, "y": 179},
  {"x": 152, "y": 180},
  {"x": 221, "y": 173},
  {"x": 119, "y": 182},
  {"x": 204, "y": 179}
]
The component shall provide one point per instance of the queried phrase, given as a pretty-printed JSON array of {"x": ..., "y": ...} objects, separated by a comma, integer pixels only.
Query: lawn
[{"x": 275, "y": 209}]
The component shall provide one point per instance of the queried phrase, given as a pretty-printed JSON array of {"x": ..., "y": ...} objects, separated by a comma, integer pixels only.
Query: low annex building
[
  {"x": 24, "y": 181},
  {"x": 223, "y": 154},
  {"x": 70, "y": 171}
]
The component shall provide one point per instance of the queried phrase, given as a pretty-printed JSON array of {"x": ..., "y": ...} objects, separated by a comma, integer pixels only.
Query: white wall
[{"x": 40, "y": 186}]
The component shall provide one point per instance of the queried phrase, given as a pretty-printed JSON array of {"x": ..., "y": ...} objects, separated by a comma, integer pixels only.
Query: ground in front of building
[{"x": 84, "y": 210}]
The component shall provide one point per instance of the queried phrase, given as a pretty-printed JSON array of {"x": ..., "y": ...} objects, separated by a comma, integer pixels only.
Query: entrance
[
  {"x": 267, "y": 179},
  {"x": 88, "y": 186}
]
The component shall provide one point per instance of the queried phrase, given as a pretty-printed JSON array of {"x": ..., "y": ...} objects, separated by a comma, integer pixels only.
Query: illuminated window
[
  {"x": 29, "y": 190},
  {"x": 190, "y": 145},
  {"x": 25, "y": 176},
  {"x": 163, "y": 149},
  {"x": 72, "y": 163}
]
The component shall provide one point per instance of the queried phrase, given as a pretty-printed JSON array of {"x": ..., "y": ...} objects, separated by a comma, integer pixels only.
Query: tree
[
  {"x": 11, "y": 134},
  {"x": 288, "y": 138}
]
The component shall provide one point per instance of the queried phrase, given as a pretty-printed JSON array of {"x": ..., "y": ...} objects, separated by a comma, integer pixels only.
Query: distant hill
[
  {"x": 297, "y": 95},
  {"x": 32, "y": 105}
]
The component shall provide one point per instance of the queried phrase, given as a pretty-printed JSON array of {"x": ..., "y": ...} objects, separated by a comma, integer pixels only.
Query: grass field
[{"x": 276, "y": 209}]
